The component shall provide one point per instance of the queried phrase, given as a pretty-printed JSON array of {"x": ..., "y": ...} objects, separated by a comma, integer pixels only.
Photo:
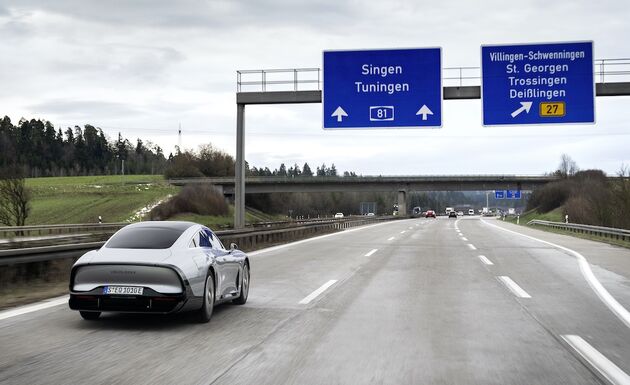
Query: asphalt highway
[{"x": 418, "y": 301}]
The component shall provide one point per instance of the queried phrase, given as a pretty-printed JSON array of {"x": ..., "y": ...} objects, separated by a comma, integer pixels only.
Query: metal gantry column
[{"x": 239, "y": 183}]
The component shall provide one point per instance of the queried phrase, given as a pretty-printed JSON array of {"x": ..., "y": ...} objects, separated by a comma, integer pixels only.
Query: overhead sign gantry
[
  {"x": 387, "y": 88},
  {"x": 549, "y": 83}
]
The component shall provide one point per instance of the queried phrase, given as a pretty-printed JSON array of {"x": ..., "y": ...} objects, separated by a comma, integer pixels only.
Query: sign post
[
  {"x": 398, "y": 88},
  {"x": 549, "y": 83}
]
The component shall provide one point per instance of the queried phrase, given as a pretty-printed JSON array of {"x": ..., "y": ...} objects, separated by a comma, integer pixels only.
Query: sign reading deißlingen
[{"x": 547, "y": 83}]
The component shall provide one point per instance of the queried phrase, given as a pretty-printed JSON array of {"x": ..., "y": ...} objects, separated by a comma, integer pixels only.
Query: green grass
[
  {"x": 83, "y": 199},
  {"x": 557, "y": 215}
]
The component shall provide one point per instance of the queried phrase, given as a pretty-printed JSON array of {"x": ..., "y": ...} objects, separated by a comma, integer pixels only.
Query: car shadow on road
[{"x": 155, "y": 322}]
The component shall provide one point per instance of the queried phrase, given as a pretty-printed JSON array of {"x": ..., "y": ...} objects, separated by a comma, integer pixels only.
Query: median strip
[
  {"x": 603, "y": 365},
  {"x": 513, "y": 287},
  {"x": 317, "y": 292}
]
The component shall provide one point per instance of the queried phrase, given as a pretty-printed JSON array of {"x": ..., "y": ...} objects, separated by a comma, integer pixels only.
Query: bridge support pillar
[
  {"x": 402, "y": 203},
  {"x": 239, "y": 182}
]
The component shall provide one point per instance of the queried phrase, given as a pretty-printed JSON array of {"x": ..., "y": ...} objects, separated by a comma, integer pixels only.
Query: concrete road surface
[{"x": 419, "y": 301}]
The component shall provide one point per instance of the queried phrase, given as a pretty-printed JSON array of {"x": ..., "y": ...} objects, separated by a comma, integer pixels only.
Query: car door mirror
[{"x": 233, "y": 246}]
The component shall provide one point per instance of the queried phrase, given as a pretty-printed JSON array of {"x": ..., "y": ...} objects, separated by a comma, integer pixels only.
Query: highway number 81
[
  {"x": 381, "y": 113},
  {"x": 552, "y": 109}
]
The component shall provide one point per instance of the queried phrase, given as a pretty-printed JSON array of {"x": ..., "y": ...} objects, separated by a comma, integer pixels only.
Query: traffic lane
[
  {"x": 284, "y": 276},
  {"x": 425, "y": 312},
  {"x": 56, "y": 346},
  {"x": 561, "y": 299}
]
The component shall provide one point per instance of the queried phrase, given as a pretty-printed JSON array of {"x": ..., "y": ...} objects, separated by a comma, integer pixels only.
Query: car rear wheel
[
  {"x": 90, "y": 315},
  {"x": 205, "y": 313},
  {"x": 244, "y": 287}
]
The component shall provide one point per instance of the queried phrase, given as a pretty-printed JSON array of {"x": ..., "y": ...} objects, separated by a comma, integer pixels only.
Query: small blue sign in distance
[
  {"x": 393, "y": 88},
  {"x": 549, "y": 83},
  {"x": 512, "y": 194},
  {"x": 499, "y": 194}
]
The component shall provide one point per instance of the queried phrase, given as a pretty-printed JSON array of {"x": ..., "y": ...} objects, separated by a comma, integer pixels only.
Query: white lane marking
[
  {"x": 391, "y": 238},
  {"x": 34, "y": 307},
  {"x": 471, "y": 246},
  {"x": 597, "y": 360},
  {"x": 404, "y": 231},
  {"x": 317, "y": 292},
  {"x": 464, "y": 238},
  {"x": 587, "y": 273},
  {"x": 371, "y": 252},
  {"x": 410, "y": 228},
  {"x": 279, "y": 247},
  {"x": 514, "y": 288},
  {"x": 485, "y": 260}
]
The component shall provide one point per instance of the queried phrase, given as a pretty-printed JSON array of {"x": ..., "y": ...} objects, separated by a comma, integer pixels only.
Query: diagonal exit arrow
[
  {"x": 339, "y": 114},
  {"x": 525, "y": 106}
]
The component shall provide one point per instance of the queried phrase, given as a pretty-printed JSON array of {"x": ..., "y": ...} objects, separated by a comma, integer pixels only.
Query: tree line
[{"x": 39, "y": 149}]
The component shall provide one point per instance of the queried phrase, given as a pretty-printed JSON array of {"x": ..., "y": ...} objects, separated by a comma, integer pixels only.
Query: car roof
[{"x": 176, "y": 225}]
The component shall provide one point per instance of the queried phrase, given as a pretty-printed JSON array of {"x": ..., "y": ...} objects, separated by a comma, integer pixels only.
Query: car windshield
[{"x": 146, "y": 237}]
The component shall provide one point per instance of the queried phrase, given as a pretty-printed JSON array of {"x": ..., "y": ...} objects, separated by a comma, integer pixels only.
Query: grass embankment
[
  {"x": 557, "y": 215},
  {"x": 83, "y": 199},
  {"x": 218, "y": 222}
]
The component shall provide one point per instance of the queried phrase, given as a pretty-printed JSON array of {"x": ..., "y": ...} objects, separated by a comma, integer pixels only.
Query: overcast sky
[{"x": 143, "y": 67}]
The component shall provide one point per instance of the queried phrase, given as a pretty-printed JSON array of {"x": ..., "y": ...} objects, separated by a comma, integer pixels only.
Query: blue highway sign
[
  {"x": 512, "y": 194},
  {"x": 499, "y": 194},
  {"x": 382, "y": 88},
  {"x": 538, "y": 84}
]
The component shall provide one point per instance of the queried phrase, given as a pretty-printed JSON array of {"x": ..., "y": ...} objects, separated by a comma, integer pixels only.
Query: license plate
[{"x": 125, "y": 290}]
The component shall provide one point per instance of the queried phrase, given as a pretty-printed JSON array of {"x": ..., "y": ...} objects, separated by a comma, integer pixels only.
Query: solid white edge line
[
  {"x": 391, "y": 238},
  {"x": 471, "y": 246},
  {"x": 317, "y": 292},
  {"x": 279, "y": 247},
  {"x": 588, "y": 275},
  {"x": 485, "y": 260},
  {"x": 33, "y": 307},
  {"x": 597, "y": 360},
  {"x": 514, "y": 288},
  {"x": 371, "y": 252}
]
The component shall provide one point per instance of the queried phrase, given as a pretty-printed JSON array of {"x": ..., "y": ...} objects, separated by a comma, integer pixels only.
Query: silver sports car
[{"x": 159, "y": 267}]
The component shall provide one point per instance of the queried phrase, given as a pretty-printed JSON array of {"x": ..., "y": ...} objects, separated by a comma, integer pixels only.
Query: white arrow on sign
[
  {"x": 339, "y": 113},
  {"x": 525, "y": 106},
  {"x": 424, "y": 111}
]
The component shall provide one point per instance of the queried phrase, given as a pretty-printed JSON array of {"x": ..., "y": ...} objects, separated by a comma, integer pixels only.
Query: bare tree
[
  {"x": 567, "y": 167},
  {"x": 14, "y": 198}
]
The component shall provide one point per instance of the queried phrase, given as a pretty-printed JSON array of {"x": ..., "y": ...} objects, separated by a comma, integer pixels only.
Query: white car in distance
[{"x": 339, "y": 215}]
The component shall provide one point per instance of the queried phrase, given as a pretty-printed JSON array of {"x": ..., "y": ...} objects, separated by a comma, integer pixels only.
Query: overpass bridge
[{"x": 399, "y": 184}]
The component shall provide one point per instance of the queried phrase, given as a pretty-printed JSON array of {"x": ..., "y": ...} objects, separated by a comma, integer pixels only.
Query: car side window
[
  {"x": 204, "y": 241},
  {"x": 193, "y": 242},
  {"x": 216, "y": 243}
]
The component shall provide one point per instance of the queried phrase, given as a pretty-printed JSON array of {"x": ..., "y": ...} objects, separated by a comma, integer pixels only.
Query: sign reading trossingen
[
  {"x": 547, "y": 83},
  {"x": 390, "y": 88}
]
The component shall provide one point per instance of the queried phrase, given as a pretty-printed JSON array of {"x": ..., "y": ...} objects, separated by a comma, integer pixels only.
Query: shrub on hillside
[
  {"x": 549, "y": 197},
  {"x": 196, "y": 199}
]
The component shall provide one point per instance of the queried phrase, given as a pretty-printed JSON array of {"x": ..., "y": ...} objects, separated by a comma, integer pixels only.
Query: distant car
[
  {"x": 159, "y": 268},
  {"x": 429, "y": 214},
  {"x": 460, "y": 213},
  {"x": 370, "y": 214},
  {"x": 339, "y": 215},
  {"x": 471, "y": 212},
  {"x": 452, "y": 214}
]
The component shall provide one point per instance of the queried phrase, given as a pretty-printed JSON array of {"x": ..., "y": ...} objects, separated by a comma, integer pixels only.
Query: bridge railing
[
  {"x": 607, "y": 70},
  {"x": 605, "y": 232}
]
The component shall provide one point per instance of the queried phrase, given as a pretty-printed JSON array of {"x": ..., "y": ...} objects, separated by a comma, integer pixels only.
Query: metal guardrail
[
  {"x": 309, "y": 79},
  {"x": 246, "y": 239},
  {"x": 605, "y": 232},
  {"x": 40, "y": 230}
]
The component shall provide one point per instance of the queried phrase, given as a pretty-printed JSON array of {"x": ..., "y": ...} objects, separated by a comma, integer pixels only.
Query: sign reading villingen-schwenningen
[
  {"x": 397, "y": 88},
  {"x": 538, "y": 84}
]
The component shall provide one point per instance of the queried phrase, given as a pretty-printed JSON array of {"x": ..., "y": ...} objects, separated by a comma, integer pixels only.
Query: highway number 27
[
  {"x": 552, "y": 109},
  {"x": 381, "y": 113}
]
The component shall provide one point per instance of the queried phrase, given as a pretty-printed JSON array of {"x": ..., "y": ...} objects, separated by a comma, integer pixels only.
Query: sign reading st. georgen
[
  {"x": 393, "y": 88},
  {"x": 549, "y": 83}
]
